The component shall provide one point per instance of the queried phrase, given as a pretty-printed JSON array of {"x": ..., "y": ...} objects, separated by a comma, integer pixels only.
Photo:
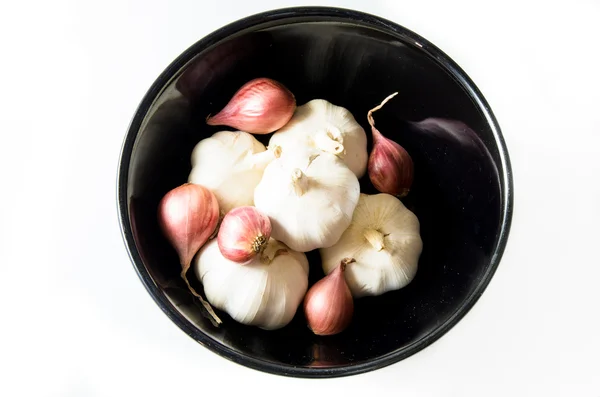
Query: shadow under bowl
[{"x": 462, "y": 192}]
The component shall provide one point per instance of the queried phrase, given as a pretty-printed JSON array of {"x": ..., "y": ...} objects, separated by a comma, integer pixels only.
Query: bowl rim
[{"x": 280, "y": 16}]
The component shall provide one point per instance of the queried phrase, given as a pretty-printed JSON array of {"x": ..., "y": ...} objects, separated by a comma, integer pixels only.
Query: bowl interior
[{"x": 458, "y": 193}]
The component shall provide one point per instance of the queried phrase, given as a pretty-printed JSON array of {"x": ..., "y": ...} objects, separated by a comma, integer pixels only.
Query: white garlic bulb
[
  {"x": 322, "y": 125},
  {"x": 265, "y": 292},
  {"x": 230, "y": 164},
  {"x": 384, "y": 239},
  {"x": 309, "y": 196}
]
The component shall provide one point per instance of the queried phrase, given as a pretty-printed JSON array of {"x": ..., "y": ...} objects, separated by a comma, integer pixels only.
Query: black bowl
[{"x": 462, "y": 192}]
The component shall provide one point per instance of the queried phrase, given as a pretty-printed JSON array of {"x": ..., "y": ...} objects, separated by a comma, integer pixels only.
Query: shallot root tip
[{"x": 376, "y": 108}]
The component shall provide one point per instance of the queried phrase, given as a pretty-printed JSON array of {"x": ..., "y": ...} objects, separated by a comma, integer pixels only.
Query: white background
[{"x": 76, "y": 321}]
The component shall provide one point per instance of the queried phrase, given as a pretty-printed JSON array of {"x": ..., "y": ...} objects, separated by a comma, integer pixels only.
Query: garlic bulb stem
[
  {"x": 261, "y": 159},
  {"x": 376, "y": 108},
  {"x": 330, "y": 140},
  {"x": 299, "y": 182},
  {"x": 345, "y": 262},
  {"x": 267, "y": 259},
  {"x": 375, "y": 238}
]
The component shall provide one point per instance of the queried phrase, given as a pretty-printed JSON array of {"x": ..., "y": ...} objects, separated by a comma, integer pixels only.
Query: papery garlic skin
[
  {"x": 321, "y": 125},
  {"x": 265, "y": 292},
  {"x": 384, "y": 239},
  {"x": 230, "y": 164},
  {"x": 309, "y": 196}
]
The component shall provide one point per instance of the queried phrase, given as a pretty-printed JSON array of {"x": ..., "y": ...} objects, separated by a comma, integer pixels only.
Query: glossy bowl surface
[{"x": 462, "y": 192}]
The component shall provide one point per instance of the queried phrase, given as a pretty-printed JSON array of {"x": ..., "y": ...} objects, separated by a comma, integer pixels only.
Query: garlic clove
[
  {"x": 328, "y": 305},
  {"x": 260, "y": 106},
  {"x": 390, "y": 166},
  {"x": 244, "y": 233}
]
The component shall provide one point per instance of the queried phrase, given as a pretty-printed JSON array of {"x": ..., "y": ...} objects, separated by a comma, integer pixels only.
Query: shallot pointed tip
[{"x": 217, "y": 119}]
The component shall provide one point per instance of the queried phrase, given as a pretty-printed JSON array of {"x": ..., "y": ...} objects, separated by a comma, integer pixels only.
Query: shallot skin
[
  {"x": 244, "y": 233},
  {"x": 187, "y": 216},
  {"x": 390, "y": 166},
  {"x": 328, "y": 305},
  {"x": 260, "y": 106}
]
